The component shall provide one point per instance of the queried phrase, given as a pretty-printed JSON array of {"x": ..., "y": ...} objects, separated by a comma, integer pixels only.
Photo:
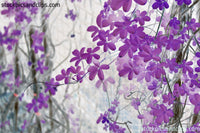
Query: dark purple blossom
[
  {"x": 97, "y": 69},
  {"x": 168, "y": 98},
  {"x": 91, "y": 53},
  {"x": 160, "y": 4},
  {"x": 105, "y": 83},
  {"x": 42, "y": 101},
  {"x": 172, "y": 65},
  {"x": 64, "y": 75},
  {"x": 174, "y": 23},
  {"x": 6, "y": 72},
  {"x": 102, "y": 117},
  {"x": 153, "y": 86},
  {"x": 79, "y": 55},
  {"x": 130, "y": 69},
  {"x": 162, "y": 114},
  {"x": 33, "y": 105},
  {"x": 116, "y": 4},
  {"x": 141, "y": 17},
  {"x": 93, "y": 29},
  {"x": 16, "y": 33},
  {"x": 135, "y": 103},
  {"x": 192, "y": 25},
  {"x": 137, "y": 33},
  {"x": 41, "y": 66},
  {"x": 112, "y": 109},
  {"x": 156, "y": 70},
  {"x": 173, "y": 43},
  {"x": 20, "y": 17},
  {"x": 195, "y": 100},
  {"x": 161, "y": 41},
  {"x": 180, "y": 2},
  {"x": 186, "y": 66},
  {"x": 51, "y": 86},
  {"x": 78, "y": 73},
  {"x": 122, "y": 28},
  {"x": 141, "y": 2},
  {"x": 71, "y": 15},
  {"x": 38, "y": 103},
  {"x": 37, "y": 41},
  {"x": 104, "y": 41},
  {"x": 130, "y": 46},
  {"x": 150, "y": 54},
  {"x": 115, "y": 102}
]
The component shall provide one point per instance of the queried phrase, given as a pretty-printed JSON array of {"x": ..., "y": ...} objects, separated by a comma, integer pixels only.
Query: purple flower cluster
[
  {"x": 65, "y": 74},
  {"x": 37, "y": 41},
  {"x": 71, "y": 15},
  {"x": 180, "y": 2},
  {"x": 160, "y": 4},
  {"x": 38, "y": 103},
  {"x": 110, "y": 124}
]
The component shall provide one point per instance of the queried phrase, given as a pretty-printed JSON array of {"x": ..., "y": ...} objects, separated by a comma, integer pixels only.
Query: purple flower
[
  {"x": 64, "y": 75},
  {"x": 78, "y": 73},
  {"x": 137, "y": 33},
  {"x": 6, "y": 72},
  {"x": 78, "y": 56},
  {"x": 135, "y": 103},
  {"x": 168, "y": 98},
  {"x": 113, "y": 127},
  {"x": 156, "y": 70},
  {"x": 195, "y": 100},
  {"x": 51, "y": 86},
  {"x": 129, "y": 47},
  {"x": 37, "y": 41},
  {"x": 91, "y": 53},
  {"x": 160, "y": 4},
  {"x": 112, "y": 109},
  {"x": 105, "y": 83},
  {"x": 71, "y": 14},
  {"x": 172, "y": 65},
  {"x": 186, "y": 66},
  {"x": 102, "y": 117},
  {"x": 16, "y": 33},
  {"x": 173, "y": 43},
  {"x": 33, "y": 105},
  {"x": 141, "y": 2},
  {"x": 115, "y": 102},
  {"x": 148, "y": 53},
  {"x": 162, "y": 114},
  {"x": 174, "y": 23},
  {"x": 116, "y": 4},
  {"x": 103, "y": 35},
  {"x": 180, "y": 2},
  {"x": 20, "y": 17},
  {"x": 192, "y": 25},
  {"x": 141, "y": 17},
  {"x": 97, "y": 69},
  {"x": 42, "y": 101},
  {"x": 130, "y": 69},
  {"x": 40, "y": 67},
  {"x": 153, "y": 86},
  {"x": 161, "y": 41},
  {"x": 122, "y": 28},
  {"x": 33, "y": 10},
  {"x": 93, "y": 29}
]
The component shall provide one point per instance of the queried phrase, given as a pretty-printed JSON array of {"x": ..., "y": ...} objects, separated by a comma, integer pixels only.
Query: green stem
[{"x": 160, "y": 22}]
